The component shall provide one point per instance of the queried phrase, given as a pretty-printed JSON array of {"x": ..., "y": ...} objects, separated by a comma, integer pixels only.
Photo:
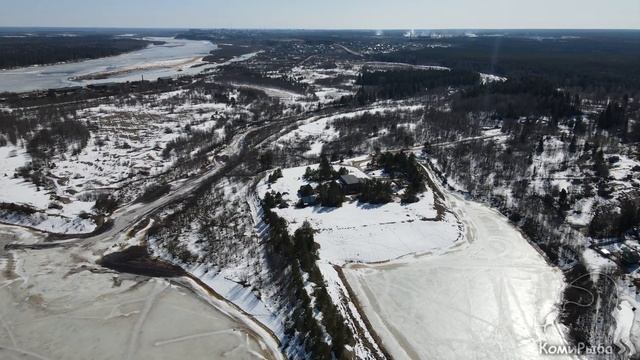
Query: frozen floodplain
[
  {"x": 55, "y": 304},
  {"x": 493, "y": 298}
]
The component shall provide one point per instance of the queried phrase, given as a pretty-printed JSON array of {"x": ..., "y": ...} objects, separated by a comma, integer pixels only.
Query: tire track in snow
[{"x": 138, "y": 328}]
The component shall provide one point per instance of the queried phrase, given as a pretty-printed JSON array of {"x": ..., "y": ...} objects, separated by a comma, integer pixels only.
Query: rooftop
[{"x": 350, "y": 179}]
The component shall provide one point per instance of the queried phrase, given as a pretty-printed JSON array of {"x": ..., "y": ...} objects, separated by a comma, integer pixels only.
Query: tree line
[
  {"x": 297, "y": 255},
  {"x": 403, "y": 83},
  {"x": 41, "y": 50}
]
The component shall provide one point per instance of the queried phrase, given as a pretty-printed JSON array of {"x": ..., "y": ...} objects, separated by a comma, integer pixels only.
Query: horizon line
[{"x": 312, "y": 28}]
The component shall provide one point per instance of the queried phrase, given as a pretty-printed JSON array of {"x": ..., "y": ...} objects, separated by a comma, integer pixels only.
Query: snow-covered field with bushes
[{"x": 357, "y": 232}]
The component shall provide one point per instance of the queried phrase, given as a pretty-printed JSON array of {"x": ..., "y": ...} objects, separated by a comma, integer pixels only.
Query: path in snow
[{"x": 494, "y": 298}]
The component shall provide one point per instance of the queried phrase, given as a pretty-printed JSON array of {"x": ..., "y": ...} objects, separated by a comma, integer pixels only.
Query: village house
[{"x": 350, "y": 184}]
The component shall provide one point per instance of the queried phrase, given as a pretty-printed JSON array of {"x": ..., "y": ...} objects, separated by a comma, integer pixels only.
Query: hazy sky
[{"x": 343, "y": 14}]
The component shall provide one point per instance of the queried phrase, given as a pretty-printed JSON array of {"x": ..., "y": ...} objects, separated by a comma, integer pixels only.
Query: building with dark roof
[{"x": 350, "y": 184}]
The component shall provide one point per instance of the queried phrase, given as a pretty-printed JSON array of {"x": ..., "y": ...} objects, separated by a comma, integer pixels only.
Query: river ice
[
  {"x": 493, "y": 298},
  {"x": 55, "y": 304},
  {"x": 175, "y": 56}
]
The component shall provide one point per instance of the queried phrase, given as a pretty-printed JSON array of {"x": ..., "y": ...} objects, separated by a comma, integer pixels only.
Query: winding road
[{"x": 61, "y": 258}]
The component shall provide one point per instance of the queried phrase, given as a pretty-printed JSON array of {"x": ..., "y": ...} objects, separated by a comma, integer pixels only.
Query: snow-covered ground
[
  {"x": 627, "y": 331},
  {"x": 378, "y": 65},
  {"x": 284, "y": 95},
  {"x": 328, "y": 93},
  {"x": 493, "y": 297},
  {"x": 17, "y": 190},
  {"x": 488, "y": 78},
  {"x": 486, "y": 295},
  {"x": 363, "y": 232},
  {"x": 235, "y": 280},
  {"x": 125, "y": 150},
  {"x": 318, "y": 130}
]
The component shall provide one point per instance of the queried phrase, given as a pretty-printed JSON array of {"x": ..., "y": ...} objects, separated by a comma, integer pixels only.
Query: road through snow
[
  {"x": 495, "y": 297},
  {"x": 59, "y": 266}
]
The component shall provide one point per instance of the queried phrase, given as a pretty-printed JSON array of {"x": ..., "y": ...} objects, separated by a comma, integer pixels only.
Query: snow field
[
  {"x": 17, "y": 189},
  {"x": 20, "y": 191},
  {"x": 319, "y": 130},
  {"x": 363, "y": 232}
]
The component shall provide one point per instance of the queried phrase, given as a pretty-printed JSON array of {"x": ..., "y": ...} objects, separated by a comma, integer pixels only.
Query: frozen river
[
  {"x": 175, "y": 56},
  {"x": 56, "y": 305},
  {"x": 492, "y": 298}
]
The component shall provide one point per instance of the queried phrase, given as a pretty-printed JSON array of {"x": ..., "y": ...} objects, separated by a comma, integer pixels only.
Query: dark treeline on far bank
[{"x": 41, "y": 50}]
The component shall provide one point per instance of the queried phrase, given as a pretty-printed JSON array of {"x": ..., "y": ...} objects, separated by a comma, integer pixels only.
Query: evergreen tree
[
  {"x": 563, "y": 201},
  {"x": 540, "y": 147},
  {"x": 629, "y": 215},
  {"x": 331, "y": 194},
  {"x": 277, "y": 174},
  {"x": 613, "y": 117},
  {"x": 410, "y": 195},
  {"x": 600, "y": 166},
  {"x": 305, "y": 247},
  {"x": 573, "y": 145},
  {"x": 305, "y": 190},
  {"x": 325, "y": 170},
  {"x": 376, "y": 192},
  {"x": 308, "y": 174}
]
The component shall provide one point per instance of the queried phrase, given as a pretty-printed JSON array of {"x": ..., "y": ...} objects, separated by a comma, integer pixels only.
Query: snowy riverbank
[{"x": 494, "y": 297}]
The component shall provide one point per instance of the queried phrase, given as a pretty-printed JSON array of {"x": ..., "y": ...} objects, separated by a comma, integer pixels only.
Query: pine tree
[
  {"x": 562, "y": 200},
  {"x": 266, "y": 160},
  {"x": 305, "y": 247},
  {"x": 275, "y": 176},
  {"x": 629, "y": 215},
  {"x": 540, "y": 148},
  {"x": 600, "y": 165},
  {"x": 325, "y": 170},
  {"x": 376, "y": 192},
  {"x": 331, "y": 194},
  {"x": 305, "y": 190},
  {"x": 573, "y": 145}
]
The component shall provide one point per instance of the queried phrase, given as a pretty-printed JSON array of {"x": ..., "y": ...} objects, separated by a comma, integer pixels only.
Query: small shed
[{"x": 350, "y": 184}]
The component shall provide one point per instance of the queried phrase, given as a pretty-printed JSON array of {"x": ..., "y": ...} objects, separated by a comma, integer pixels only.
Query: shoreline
[
  {"x": 159, "y": 61},
  {"x": 104, "y": 75},
  {"x": 150, "y": 43}
]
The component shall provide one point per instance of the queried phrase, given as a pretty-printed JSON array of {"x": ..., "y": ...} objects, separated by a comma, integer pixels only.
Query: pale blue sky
[{"x": 328, "y": 14}]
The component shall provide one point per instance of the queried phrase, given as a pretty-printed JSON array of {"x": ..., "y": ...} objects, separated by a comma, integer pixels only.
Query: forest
[
  {"x": 398, "y": 84},
  {"x": 593, "y": 61},
  {"x": 42, "y": 50},
  {"x": 522, "y": 96}
]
